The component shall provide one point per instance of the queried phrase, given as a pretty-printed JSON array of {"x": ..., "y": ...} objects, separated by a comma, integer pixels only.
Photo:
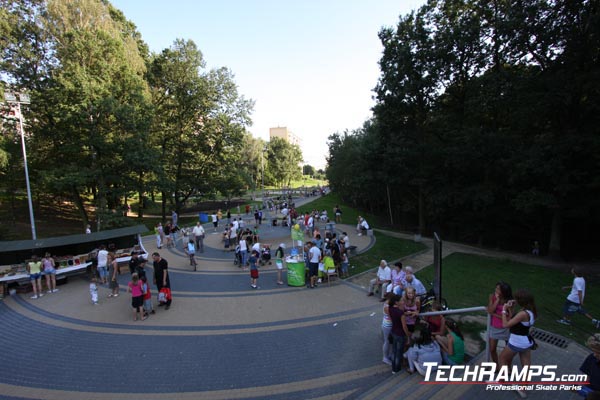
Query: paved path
[{"x": 220, "y": 339}]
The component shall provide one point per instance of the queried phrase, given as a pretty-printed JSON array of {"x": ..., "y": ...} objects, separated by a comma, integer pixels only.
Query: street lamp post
[{"x": 11, "y": 98}]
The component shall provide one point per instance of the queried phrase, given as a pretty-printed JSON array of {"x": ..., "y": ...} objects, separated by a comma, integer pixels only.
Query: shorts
[
  {"x": 102, "y": 272},
  {"x": 51, "y": 271},
  {"x": 254, "y": 273},
  {"x": 571, "y": 308},
  {"x": 518, "y": 349},
  {"x": 215, "y": 223},
  {"x": 279, "y": 264},
  {"x": 499, "y": 333},
  {"x": 33, "y": 277},
  {"x": 313, "y": 269},
  {"x": 137, "y": 301}
]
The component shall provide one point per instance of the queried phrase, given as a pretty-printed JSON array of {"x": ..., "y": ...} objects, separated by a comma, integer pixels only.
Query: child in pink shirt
[{"x": 137, "y": 296}]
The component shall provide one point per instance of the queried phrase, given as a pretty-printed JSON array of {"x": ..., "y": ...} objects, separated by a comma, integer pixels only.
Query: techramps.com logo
[{"x": 529, "y": 377}]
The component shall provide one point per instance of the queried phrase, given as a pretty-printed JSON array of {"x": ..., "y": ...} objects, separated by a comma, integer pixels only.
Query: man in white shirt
[
  {"x": 103, "y": 264},
  {"x": 384, "y": 277},
  {"x": 574, "y": 303},
  {"x": 199, "y": 233},
  {"x": 362, "y": 226},
  {"x": 314, "y": 257},
  {"x": 310, "y": 225}
]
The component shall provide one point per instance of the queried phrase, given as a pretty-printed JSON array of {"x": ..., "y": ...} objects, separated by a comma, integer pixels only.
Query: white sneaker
[
  {"x": 49, "y": 291},
  {"x": 319, "y": 280},
  {"x": 360, "y": 234},
  {"x": 34, "y": 296},
  {"x": 40, "y": 295},
  {"x": 55, "y": 290},
  {"x": 387, "y": 361}
]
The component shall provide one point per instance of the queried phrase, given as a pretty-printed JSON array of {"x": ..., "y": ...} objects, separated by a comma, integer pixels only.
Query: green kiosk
[{"x": 295, "y": 272}]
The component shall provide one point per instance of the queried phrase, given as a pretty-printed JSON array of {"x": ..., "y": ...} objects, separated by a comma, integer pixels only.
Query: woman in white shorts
[{"x": 279, "y": 253}]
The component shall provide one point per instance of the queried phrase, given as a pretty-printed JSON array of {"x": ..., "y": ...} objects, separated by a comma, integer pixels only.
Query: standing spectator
[
  {"x": 137, "y": 297},
  {"x": 519, "y": 341},
  {"x": 228, "y": 216},
  {"x": 386, "y": 330},
  {"x": 219, "y": 216},
  {"x": 310, "y": 225},
  {"x": 199, "y": 233},
  {"x": 191, "y": 252},
  {"x": 338, "y": 214},
  {"x": 113, "y": 271},
  {"x": 174, "y": 218},
  {"x": 400, "y": 333},
  {"x": 148, "y": 309},
  {"x": 167, "y": 231},
  {"x": 574, "y": 303},
  {"x": 134, "y": 263},
  {"x": 591, "y": 367},
  {"x": 314, "y": 257},
  {"x": 256, "y": 216},
  {"x": 243, "y": 251},
  {"x": 49, "y": 268},
  {"x": 502, "y": 294},
  {"x": 411, "y": 305},
  {"x": 34, "y": 268},
  {"x": 103, "y": 264},
  {"x": 424, "y": 350},
  {"x": 346, "y": 240},
  {"x": 94, "y": 291},
  {"x": 452, "y": 345},
  {"x": 174, "y": 230},
  {"x": 384, "y": 276},
  {"x": 535, "y": 249},
  {"x": 260, "y": 216},
  {"x": 161, "y": 276},
  {"x": 344, "y": 267},
  {"x": 279, "y": 253},
  {"x": 254, "y": 269},
  {"x": 215, "y": 220},
  {"x": 158, "y": 230}
]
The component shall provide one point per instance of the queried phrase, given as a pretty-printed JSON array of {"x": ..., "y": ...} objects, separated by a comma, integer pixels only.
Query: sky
[{"x": 309, "y": 65}]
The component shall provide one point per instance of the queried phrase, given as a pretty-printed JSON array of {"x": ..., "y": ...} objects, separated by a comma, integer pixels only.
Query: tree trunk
[
  {"x": 164, "y": 207},
  {"x": 554, "y": 246},
  {"x": 421, "y": 211},
  {"x": 390, "y": 204},
  {"x": 80, "y": 207}
]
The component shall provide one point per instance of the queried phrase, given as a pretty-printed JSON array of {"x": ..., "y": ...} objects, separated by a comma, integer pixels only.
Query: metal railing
[{"x": 466, "y": 311}]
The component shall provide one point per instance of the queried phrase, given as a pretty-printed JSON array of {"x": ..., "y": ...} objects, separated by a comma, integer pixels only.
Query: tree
[
  {"x": 308, "y": 169},
  {"x": 283, "y": 162}
]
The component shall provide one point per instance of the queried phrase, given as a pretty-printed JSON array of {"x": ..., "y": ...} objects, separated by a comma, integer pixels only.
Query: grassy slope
[{"x": 468, "y": 280}]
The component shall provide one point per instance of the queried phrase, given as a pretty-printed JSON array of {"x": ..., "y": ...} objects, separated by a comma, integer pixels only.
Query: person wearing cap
[
  {"x": 279, "y": 253},
  {"x": 591, "y": 367}
]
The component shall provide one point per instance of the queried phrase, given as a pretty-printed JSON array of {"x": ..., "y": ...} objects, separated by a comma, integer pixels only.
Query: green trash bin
[{"x": 295, "y": 272}]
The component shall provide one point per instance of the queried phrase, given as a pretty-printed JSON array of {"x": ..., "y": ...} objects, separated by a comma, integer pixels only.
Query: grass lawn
[
  {"x": 385, "y": 248},
  {"x": 468, "y": 280}
]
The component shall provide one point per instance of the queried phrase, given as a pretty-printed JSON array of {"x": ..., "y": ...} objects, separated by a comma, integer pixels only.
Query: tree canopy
[{"x": 485, "y": 127}]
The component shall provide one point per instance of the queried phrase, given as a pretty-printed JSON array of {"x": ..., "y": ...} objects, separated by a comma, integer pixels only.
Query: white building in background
[{"x": 285, "y": 134}]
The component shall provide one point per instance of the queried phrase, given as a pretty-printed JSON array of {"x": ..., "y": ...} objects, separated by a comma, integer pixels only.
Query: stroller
[
  {"x": 265, "y": 255},
  {"x": 237, "y": 258}
]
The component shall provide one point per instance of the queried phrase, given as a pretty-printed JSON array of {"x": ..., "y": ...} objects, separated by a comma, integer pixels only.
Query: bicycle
[{"x": 428, "y": 299}]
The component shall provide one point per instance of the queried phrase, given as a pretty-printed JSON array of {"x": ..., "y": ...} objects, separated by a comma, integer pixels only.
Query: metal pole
[{"x": 22, "y": 131}]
